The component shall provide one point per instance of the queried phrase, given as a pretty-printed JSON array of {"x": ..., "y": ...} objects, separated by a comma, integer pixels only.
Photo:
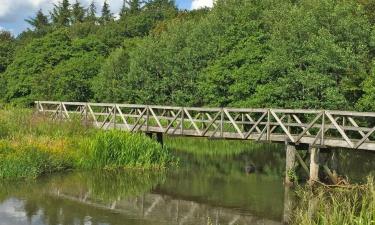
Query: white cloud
[
  {"x": 11, "y": 9},
  {"x": 14, "y": 12},
  {"x": 197, "y": 4}
]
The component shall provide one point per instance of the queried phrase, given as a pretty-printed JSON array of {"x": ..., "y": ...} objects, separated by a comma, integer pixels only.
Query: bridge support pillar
[
  {"x": 290, "y": 164},
  {"x": 314, "y": 165}
]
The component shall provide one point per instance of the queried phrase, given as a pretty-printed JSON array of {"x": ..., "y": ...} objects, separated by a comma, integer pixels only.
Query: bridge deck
[{"x": 344, "y": 129}]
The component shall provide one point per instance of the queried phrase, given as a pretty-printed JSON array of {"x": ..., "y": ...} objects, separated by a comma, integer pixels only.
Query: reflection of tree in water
[
  {"x": 107, "y": 186},
  {"x": 267, "y": 159},
  {"x": 222, "y": 180},
  {"x": 102, "y": 187}
]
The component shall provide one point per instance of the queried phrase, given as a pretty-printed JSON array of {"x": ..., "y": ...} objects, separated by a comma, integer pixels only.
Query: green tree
[
  {"x": 91, "y": 13},
  {"x": 61, "y": 13},
  {"x": 39, "y": 22},
  {"x": 7, "y": 49},
  {"x": 318, "y": 56},
  {"x": 78, "y": 13},
  {"x": 134, "y": 6},
  {"x": 124, "y": 9},
  {"x": 54, "y": 67},
  {"x": 107, "y": 16},
  {"x": 110, "y": 84}
]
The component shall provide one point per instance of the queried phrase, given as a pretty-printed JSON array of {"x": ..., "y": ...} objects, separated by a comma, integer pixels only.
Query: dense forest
[{"x": 248, "y": 53}]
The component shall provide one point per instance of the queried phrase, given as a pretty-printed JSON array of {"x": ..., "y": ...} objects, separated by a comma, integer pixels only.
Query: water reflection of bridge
[{"x": 163, "y": 209}]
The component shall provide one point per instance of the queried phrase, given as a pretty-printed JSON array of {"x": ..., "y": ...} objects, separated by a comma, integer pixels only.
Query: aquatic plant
[
  {"x": 340, "y": 205},
  {"x": 114, "y": 148}
]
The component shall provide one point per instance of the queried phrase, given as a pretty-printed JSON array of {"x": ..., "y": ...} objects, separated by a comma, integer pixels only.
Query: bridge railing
[{"x": 354, "y": 130}]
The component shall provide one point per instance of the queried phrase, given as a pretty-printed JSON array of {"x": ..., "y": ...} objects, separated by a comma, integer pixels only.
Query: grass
[
  {"x": 31, "y": 145},
  {"x": 342, "y": 205},
  {"x": 113, "y": 149}
]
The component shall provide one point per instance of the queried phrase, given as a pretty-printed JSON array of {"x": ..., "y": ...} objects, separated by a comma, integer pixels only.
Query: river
[{"x": 204, "y": 190}]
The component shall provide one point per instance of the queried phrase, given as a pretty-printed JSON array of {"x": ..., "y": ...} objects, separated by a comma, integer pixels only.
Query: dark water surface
[{"x": 204, "y": 190}]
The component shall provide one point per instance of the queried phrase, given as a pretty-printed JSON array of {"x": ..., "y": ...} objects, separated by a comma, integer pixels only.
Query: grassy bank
[
  {"x": 340, "y": 205},
  {"x": 31, "y": 145}
]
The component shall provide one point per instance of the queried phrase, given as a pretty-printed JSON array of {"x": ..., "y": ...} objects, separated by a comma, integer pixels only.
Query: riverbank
[{"x": 32, "y": 145}]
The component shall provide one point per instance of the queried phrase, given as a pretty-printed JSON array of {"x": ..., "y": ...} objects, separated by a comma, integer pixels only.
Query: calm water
[{"x": 204, "y": 190}]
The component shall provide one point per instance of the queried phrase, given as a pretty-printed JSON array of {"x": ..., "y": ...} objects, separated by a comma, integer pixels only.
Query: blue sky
[{"x": 14, "y": 12}]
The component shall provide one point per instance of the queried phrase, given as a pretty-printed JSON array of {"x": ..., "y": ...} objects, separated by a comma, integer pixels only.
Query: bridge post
[
  {"x": 288, "y": 205},
  {"x": 314, "y": 165},
  {"x": 334, "y": 164},
  {"x": 290, "y": 163},
  {"x": 86, "y": 115}
]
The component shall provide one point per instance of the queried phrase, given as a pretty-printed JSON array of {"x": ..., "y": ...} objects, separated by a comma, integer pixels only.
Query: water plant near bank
[
  {"x": 336, "y": 206},
  {"x": 31, "y": 145}
]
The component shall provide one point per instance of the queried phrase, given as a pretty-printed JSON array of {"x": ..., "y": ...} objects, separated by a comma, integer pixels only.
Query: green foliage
[
  {"x": 78, "y": 13},
  {"x": 7, "y": 48},
  {"x": 106, "y": 13},
  {"x": 29, "y": 162},
  {"x": 32, "y": 145},
  {"x": 336, "y": 206},
  {"x": 61, "y": 14},
  {"x": 114, "y": 149},
  {"x": 40, "y": 21},
  {"x": 291, "y": 54},
  {"x": 91, "y": 13},
  {"x": 113, "y": 74},
  {"x": 54, "y": 67}
]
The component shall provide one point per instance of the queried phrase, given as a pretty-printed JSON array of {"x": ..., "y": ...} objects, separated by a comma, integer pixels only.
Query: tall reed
[
  {"x": 114, "y": 148},
  {"x": 336, "y": 206}
]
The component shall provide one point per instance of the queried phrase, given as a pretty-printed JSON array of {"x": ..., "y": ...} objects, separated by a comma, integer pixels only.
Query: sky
[{"x": 14, "y": 12}]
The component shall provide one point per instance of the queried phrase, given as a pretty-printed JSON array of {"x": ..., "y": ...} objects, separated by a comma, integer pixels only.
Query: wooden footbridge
[{"x": 313, "y": 129}]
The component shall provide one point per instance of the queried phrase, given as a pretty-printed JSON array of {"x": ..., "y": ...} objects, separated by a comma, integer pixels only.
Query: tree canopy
[{"x": 242, "y": 53}]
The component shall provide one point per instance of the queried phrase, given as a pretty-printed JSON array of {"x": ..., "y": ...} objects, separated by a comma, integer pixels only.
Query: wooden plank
[
  {"x": 251, "y": 120},
  {"x": 93, "y": 115},
  {"x": 211, "y": 123},
  {"x": 308, "y": 127},
  {"x": 139, "y": 119},
  {"x": 174, "y": 119},
  {"x": 341, "y": 131},
  {"x": 122, "y": 117},
  {"x": 302, "y": 163},
  {"x": 352, "y": 121},
  {"x": 234, "y": 123},
  {"x": 359, "y": 143},
  {"x": 156, "y": 118},
  {"x": 295, "y": 117},
  {"x": 186, "y": 112},
  {"x": 255, "y": 125},
  {"x": 282, "y": 126}
]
